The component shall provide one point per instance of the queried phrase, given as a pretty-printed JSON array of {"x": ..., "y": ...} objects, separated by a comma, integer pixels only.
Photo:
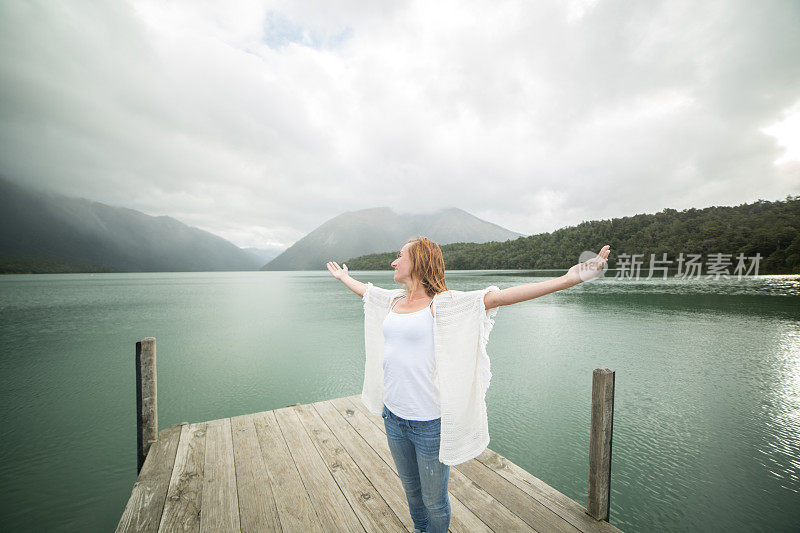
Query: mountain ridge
[
  {"x": 378, "y": 229},
  {"x": 770, "y": 229},
  {"x": 49, "y": 227}
]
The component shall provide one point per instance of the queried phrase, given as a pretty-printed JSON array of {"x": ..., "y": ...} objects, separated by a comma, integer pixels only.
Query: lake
[{"x": 706, "y": 411}]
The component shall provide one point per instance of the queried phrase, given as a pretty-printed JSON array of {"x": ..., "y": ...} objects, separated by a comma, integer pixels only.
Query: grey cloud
[{"x": 260, "y": 124}]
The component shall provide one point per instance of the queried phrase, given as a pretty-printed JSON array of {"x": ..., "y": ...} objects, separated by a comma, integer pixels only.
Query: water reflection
[
  {"x": 772, "y": 285},
  {"x": 780, "y": 454}
]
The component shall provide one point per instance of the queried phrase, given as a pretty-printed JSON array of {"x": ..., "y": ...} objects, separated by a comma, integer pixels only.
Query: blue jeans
[{"x": 415, "y": 448}]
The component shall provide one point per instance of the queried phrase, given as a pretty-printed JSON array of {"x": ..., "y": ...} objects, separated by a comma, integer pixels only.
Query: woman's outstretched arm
[
  {"x": 528, "y": 291},
  {"x": 342, "y": 275}
]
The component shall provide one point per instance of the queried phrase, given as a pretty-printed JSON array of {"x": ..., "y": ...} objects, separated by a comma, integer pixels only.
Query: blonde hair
[{"x": 427, "y": 265}]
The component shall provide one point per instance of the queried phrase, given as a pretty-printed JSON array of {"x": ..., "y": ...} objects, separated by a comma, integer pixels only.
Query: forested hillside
[{"x": 769, "y": 228}]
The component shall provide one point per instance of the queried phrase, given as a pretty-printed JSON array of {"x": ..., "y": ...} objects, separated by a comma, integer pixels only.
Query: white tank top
[{"x": 409, "y": 390}]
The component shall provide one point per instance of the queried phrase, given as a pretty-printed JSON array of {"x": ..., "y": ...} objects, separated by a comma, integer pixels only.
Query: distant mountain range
[
  {"x": 264, "y": 255},
  {"x": 38, "y": 227},
  {"x": 380, "y": 229},
  {"x": 46, "y": 232}
]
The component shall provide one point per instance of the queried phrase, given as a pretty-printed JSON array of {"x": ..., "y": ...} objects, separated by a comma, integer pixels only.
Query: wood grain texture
[
  {"x": 559, "y": 503},
  {"x": 381, "y": 475},
  {"x": 331, "y": 505},
  {"x": 321, "y": 467},
  {"x": 146, "y": 398},
  {"x": 536, "y": 515},
  {"x": 372, "y": 510},
  {"x": 146, "y": 504},
  {"x": 257, "y": 509},
  {"x": 185, "y": 492},
  {"x": 294, "y": 506},
  {"x": 371, "y": 427},
  {"x": 599, "y": 498},
  {"x": 220, "y": 511},
  {"x": 568, "y": 509}
]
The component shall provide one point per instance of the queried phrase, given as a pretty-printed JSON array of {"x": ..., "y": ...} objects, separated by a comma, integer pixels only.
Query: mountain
[
  {"x": 264, "y": 255},
  {"x": 40, "y": 227},
  {"x": 766, "y": 230},
  {"x": 380, "y": 229}
]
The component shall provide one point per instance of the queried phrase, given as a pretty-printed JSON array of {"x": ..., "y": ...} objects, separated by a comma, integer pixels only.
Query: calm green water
[{"x": 707, "y": 406}]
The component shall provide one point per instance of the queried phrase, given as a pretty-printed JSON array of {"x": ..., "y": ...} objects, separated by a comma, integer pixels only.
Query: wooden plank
[
  {"x": 185, "y": 493},
  {"x": 257, "y": 510},
  {"x": 566, "y": 507},
  {"x": 146, "y": 398},
  {"x": 381, "y": 475},
  {"x": 220, "y": 511},
  {"x": 300, "y": 467},
  {"x": 331, "y": 505},
  {"x": 491, "y": 512},
  {"x": 143, "y": 511},
  {"x": 602, "y": 422},
  {"x": 363, "y": 422},
  {"x": 295, "y": 511},
  {"x": 529, "y": 509},
  {"x": 372, "y": 429},
  {"x": 372, "y": 510}
]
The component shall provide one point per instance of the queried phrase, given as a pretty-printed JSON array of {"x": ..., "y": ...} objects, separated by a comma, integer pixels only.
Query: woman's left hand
[{"x": 591, "y": 268}]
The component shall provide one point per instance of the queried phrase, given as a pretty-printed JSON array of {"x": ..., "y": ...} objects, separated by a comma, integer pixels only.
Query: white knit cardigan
[{"x": 461, "y": 328}]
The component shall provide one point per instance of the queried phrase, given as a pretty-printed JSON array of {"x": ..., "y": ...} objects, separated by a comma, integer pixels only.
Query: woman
[{"x": 427, "y": 370}]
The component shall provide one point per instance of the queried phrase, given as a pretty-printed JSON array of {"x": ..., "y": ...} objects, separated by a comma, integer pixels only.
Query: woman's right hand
[{"x": 337, "y": 271}]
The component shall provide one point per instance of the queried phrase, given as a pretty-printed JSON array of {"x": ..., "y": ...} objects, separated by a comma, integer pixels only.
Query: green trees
[{"x": 769, "y": 228}]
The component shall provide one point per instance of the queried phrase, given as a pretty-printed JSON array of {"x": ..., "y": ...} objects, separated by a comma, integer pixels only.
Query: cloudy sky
[{"x": 258, "y": 121}]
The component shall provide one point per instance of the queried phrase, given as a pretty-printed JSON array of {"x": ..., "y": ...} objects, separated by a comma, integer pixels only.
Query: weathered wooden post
[
  {"x": 146, "y": 407},
  {"x": 600, "y": 443}
]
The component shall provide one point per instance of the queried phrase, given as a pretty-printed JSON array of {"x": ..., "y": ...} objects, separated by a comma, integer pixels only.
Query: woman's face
[{"x": 402, "y": 266}]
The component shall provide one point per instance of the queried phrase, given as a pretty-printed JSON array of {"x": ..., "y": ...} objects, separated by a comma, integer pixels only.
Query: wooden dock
[{"x": 324, "y": 466}]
